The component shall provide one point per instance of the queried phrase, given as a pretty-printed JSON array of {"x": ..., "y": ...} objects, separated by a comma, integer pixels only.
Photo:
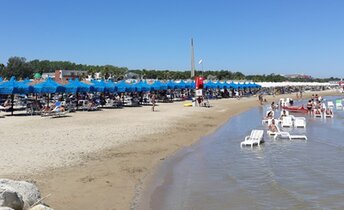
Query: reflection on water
[{"x": 280, "y": 174}]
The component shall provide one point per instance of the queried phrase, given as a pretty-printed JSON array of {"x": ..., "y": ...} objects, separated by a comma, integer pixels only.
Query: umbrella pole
[
  {"x": 12, "y": 103},
  {"x": 77, "y": 101}
]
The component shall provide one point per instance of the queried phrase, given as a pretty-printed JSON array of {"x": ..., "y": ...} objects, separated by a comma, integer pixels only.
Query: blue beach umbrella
[
  {"x": 14, "y": 87},
  {"x": 181, "y": 84},
  {"x": 171, "y": 85},
  {"x": 233, "y": 85},
  {"x": 98, "y": 86},
  {"x": 141, "y": 86},
  {"x": 0, "y": 79},
  {"x": 75, "y": 86},
  {"x": 157, "y": 85},
  {"x": 48, "y": 86},
  {"x": 102, "y": 86},
  {"x": 122, "y": 87}
]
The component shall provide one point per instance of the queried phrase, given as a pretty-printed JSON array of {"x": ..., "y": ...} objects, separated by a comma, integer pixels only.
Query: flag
[{"x": 200, "y": 61}]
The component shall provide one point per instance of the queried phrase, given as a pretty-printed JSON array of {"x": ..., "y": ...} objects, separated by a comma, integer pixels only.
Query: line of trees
[{"x": 21, "y": 68}]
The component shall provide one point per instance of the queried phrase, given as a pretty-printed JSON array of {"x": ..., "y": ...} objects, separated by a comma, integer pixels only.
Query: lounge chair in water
[
  {"x": 287, "y": 121},
  {"x": 330, "y": 105},
  {"x": 255, "y": 138},
  {"x": 283, "y": 134},
  {"x": 339, "y": 104},
  {"x": 299, "y": 122}
]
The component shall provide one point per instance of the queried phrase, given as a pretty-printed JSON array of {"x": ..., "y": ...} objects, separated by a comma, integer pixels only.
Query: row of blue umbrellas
[{"x": 75, "y": 86}]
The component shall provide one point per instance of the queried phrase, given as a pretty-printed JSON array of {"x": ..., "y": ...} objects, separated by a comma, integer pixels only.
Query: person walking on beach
[{"x": 153, "y": 102}]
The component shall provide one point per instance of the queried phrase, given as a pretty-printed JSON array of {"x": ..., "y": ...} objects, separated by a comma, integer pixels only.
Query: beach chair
[
  {"x": 328, "y": 113},
  {"x": 339, "y": 104},
  {"x": 300, "y": 122},
  {"x": 255, "y": 138},
  {"x": 287, "y": 121},
  {"x": 330, "y": 104},
  {"x": 283, "y": 134}
]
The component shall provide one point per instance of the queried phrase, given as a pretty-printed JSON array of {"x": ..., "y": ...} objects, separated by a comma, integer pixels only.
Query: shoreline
[{"x": 112, "y": 178}]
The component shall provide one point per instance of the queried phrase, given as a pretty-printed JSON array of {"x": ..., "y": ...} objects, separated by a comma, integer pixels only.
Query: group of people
[{"x": 316, "y": 105}]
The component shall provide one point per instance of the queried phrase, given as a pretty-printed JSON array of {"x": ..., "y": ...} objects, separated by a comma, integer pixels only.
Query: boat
[{"x": 299, "y": 109}]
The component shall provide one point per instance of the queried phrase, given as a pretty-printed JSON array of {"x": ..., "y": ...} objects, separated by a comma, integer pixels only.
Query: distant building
[
  {"x": 69, "y": 74},
  {"x": 298, "y": 76},
  {"x": 48, "y": 75}
]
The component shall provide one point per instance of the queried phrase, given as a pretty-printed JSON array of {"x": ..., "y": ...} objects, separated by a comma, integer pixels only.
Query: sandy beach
[{"x": 98, "y": 160}]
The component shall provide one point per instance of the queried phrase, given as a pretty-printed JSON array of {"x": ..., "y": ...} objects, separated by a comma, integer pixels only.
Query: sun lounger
[
  {"x": 283, "y": 134},
  {"x": 299, "y": 122},
  {"x": 255, "y": 138},
  {"x": 330, "y": 104},
  {"x": 339, "y": 104},
  {"x": 287, "y": 122}
]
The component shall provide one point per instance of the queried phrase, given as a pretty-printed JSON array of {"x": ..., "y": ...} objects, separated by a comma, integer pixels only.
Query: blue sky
[{"x": 254, "y": 37}]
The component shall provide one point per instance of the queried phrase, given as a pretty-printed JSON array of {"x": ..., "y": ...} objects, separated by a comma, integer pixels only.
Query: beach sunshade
[
  {"x": 233, "y": 85},
  {"x": 157, "y": 85},
  {"x": 181, "y": 84},
  {"x": 141, "y": 86},
  {"x": 48, "y": 86},
  {"x": 75, "y": 86},
  {"x": 171, "y": 85},
  {"x": 122, "y": 87},
  {"x": 14, "y": 87}
]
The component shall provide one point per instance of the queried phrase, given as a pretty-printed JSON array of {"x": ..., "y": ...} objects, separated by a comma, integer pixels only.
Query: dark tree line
[{"x": 21, "y": 68}]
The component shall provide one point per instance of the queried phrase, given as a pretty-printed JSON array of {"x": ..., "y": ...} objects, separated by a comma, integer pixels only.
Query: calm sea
[{"x": 216, "y": 173}]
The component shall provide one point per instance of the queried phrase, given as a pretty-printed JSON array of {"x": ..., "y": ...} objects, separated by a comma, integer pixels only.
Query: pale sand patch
[{"x": 94, "y": 160}]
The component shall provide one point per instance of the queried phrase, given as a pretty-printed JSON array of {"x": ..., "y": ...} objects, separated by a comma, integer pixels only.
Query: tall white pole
[{"x": 192, "y": 59}]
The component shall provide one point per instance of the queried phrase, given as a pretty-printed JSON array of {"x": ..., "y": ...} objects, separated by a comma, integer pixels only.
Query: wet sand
[{"x": 99, "y": 160}]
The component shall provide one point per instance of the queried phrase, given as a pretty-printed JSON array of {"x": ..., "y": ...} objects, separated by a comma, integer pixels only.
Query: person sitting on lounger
[
  {"x": 273, "y": 127},
  {"x": 328, "y": 112},
  {"x": 284, "y": 114},
  {"x": 269, "y": 115}
]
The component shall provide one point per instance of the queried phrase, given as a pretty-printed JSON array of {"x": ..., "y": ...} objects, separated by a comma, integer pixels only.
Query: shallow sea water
[{"x": 216, "y": 173}]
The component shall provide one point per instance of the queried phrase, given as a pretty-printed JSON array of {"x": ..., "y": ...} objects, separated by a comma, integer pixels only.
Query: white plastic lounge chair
[
  {"x": 317, "y": 113},
  {"x": 283, "y": 134},
  {"x": 300, "y": 122},
  {"x": 339, "y": 104},
  {"x": 287, "y": 121},
  {"x": 328, "y": 113},
  {"x": 330, "y": 105},
  {"x": 255, "y": 138}
]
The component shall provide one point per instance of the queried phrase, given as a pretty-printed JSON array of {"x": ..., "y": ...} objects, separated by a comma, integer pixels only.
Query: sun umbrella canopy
[
  {"x": 122, "y": 87},
  {"x": 171, "y": 85},
  {"x": 75, "y": 86},
  {"x": 181, "y": 84},
  {"x": 142, "y": 86},
  {"x": 101, "y": 86},
  {"x": 157, "y": 85},
  {"x": 48, "y": 86},
  {"x": 14, "y": 87}
]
